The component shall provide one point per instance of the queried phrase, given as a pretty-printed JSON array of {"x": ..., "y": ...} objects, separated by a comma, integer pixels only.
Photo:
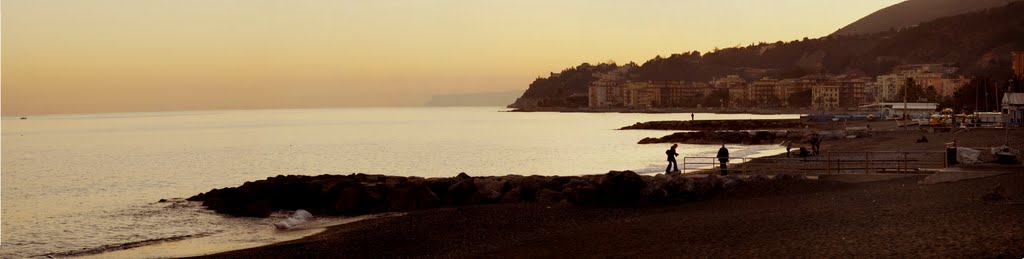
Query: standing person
[
  {"x": 814, "y": 144},
  {"x": 817, "y": 146},
  {"x": 672, "y": 165},
  {"x": 789, "y": 146},
  {"x": 723, "y": 158},
  {"x": 691, "y": 116}
]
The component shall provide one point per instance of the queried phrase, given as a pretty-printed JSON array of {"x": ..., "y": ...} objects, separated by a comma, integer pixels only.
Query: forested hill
[
  {"x": 913, "y": 12},
  {"x": 979, "y": 43}
]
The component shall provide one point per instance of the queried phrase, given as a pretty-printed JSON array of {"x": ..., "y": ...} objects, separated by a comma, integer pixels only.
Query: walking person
[
  {"x": 723, "y": 159},
  {"x": 672, "y": 165}
]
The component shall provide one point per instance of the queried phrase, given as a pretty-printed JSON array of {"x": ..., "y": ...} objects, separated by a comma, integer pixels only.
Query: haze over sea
[{"x": 92, "y": 181}]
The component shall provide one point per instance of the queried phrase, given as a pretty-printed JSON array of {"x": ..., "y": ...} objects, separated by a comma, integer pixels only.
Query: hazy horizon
[{"x": 125, "y": 56}]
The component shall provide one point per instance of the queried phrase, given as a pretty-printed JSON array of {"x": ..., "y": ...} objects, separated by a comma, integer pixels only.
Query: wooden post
[
  {"x": 867, "y": 162},
  {"x": 828, "y": 163}
]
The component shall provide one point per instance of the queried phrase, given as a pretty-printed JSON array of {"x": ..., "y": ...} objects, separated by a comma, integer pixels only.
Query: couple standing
[{"x": 723, "y": 158}]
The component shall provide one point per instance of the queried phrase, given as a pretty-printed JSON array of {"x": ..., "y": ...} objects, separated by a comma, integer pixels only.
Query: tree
[{"x": 801, "y": 99}]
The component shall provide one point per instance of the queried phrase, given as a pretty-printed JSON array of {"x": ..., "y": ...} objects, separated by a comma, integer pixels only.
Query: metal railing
[{"x": 830, "y": 162}]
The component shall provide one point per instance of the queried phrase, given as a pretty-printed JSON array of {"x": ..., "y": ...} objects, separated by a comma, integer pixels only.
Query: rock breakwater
[
  {"x": 717, "y": 125},
  {"x": 357, "y": 194}
]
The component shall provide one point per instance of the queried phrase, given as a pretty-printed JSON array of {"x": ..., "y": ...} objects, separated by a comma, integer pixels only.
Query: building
[
  {"x": 610, "y": 89},
  {"x": 825, "y": 96},
  {"x": 763, "y": 93},
  {"x": 852, "y": 90},
  {"x": 938, "y": 76},
  {"x": 1013, "y": 109},
  {"x": 643, "y": 95},
  {"x": 1018, "y": 63}
]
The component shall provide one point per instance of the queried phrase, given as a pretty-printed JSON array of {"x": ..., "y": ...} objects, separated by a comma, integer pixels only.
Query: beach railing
[{"x": 830, "y": 162}]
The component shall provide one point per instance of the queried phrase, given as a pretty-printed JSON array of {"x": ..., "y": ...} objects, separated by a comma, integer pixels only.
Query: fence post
[
  {"x": 828, "y": 163},
  {"x": 867, "y": 162},
  {"x": 905, "y": 166}
]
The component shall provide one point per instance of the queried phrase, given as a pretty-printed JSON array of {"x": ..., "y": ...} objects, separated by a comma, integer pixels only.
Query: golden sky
[{"x": 84, "y": 56}]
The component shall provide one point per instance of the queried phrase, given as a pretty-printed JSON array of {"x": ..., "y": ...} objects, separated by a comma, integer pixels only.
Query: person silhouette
[
  {"x": 672, "y": 165},
  {"x": 723, "y": 158},
  {"x": 691, "y": 116}
]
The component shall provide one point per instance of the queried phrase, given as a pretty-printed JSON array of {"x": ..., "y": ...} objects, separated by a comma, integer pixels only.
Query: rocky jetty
[
  {"x": 717, "y": 125},
  {"x": 357, "y": 194},
  {"x": 751, "y": 137}
]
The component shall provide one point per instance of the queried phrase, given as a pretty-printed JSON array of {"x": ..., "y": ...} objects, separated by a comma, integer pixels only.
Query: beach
[
  {"x": 895, "y": 218},
  {"x": 854, "y": 215}
]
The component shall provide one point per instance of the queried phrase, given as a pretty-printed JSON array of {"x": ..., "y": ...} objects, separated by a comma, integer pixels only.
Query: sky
[{"x": 91, "y": 56}]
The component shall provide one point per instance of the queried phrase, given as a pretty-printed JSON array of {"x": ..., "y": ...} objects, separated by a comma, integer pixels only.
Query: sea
[{"x": 91, "y": 184}]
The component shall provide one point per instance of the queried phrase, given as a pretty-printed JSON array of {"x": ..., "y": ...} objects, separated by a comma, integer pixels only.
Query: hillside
[
  {"x": 913, "y": 12},
  {"x": 978, "y": 43}
]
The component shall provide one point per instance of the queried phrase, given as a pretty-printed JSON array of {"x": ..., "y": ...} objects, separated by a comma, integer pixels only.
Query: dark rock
[
  {"x": 162, "y": 200},
  {"x": 621, "y": 187},
  {"x": 514, "y": 195},
  {"x": 488, "y": 190},
  {"x": 461, "y": 191},
  {"x": 545, "y": 195},
  {"x": 997, "y": 193},
  {"x": 789, "y": 177},
  {"x": 581, "y": 192},
  {"x": 462, "y": 176},
  {"x": 707, "y": 186},
  {"x": 258, "y": 208}
]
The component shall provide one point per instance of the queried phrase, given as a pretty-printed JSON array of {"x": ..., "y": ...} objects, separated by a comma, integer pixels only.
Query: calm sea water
[{"x": 84, "y": 182}]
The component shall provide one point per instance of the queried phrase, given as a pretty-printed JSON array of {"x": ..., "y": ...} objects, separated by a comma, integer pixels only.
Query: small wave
[{"x": 123, "y": 246}]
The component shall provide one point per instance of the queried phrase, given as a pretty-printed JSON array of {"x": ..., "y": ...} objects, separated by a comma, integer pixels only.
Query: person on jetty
[
  {"x": 672, "y": 165},
  {"x": 723, "y": 158}
]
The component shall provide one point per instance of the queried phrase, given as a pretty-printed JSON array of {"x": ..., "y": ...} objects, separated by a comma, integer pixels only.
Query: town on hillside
[{"x": 921, "y": 86}]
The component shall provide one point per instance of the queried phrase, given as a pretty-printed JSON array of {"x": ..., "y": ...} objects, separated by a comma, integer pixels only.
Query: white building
[
  {"x": 914, "y": 110},
  {"x": 1013, "y": 109}
]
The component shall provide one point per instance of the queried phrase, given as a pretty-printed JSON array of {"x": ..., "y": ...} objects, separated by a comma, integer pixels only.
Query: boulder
[
  {"x": 656, "y": 188},
  {"x": 622, "y": 186},
  {"x": 730, "y": 183},
  {"x": 514, "y": 195},
  {"x": 488, "y": 190},
  {"x": 546, "y": 195},
  {"x": 578, "y": 191},
  {"x": 461, "y": 191},
  {"x": 259, "y": 208},
  {"x": 707, "y": 185},
  {"x": 789, "y": 177},
  {"x": 680, "y": 186}
]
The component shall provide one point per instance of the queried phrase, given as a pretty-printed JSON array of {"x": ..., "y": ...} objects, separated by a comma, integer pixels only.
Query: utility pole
[{"x": 905, "y": 86}]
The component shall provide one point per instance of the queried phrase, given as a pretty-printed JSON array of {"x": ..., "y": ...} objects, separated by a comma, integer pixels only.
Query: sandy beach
[{"x": 855, "y": 215}]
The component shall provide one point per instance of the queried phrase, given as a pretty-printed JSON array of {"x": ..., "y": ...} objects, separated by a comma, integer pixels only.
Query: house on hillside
[{"x": 1013, "y": 109}]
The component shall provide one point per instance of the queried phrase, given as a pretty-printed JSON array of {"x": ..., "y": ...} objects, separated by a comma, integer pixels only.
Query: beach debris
[
  {"x": 997, "y": 193},
  {"x": 1006, "y": 155},
  {"x": 297, "y": 218},
  {"x": 967, "y": 155}
]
